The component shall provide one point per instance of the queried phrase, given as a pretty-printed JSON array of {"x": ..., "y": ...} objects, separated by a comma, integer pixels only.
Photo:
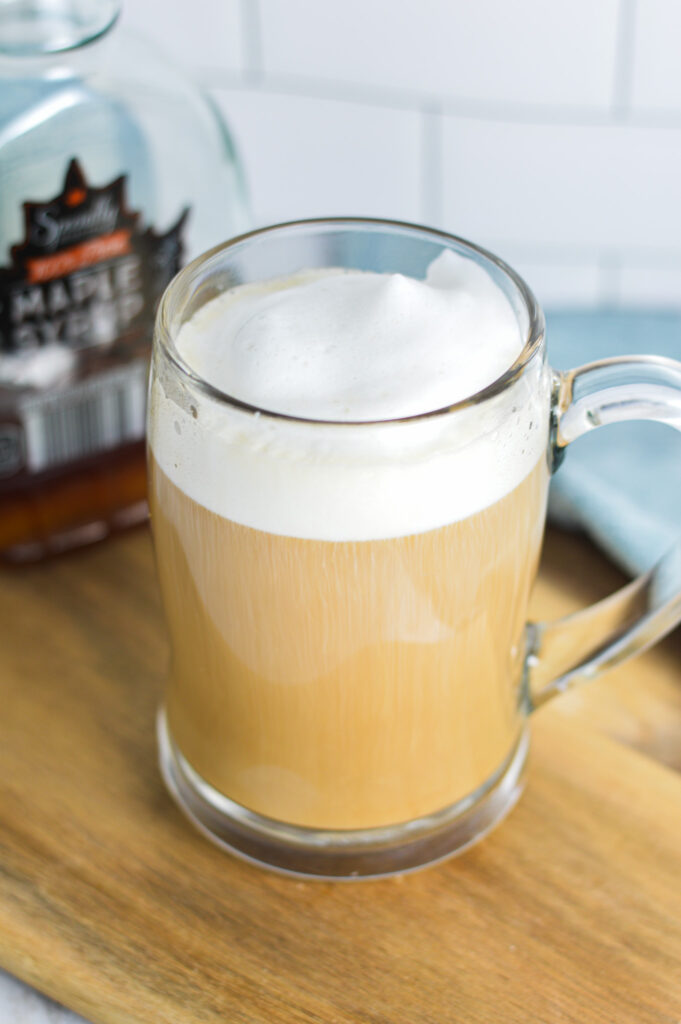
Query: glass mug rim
[{"x": 169, "y": 312}]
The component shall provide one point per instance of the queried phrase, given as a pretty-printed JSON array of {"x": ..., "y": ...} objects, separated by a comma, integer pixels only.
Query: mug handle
[{"x": 580, "y": 646}]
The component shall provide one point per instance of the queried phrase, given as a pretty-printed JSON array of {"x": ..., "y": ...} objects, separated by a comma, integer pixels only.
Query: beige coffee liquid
[{"x": 346, "y": 684}]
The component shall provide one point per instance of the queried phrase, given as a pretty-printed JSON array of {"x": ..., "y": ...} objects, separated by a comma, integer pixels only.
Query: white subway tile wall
[
  {"x": 550, "y": 132},
  {"x": 310, "y": 157},
  {"x": 656, "y": 84},
  {"x": 599, "y": 187},
  {"x": 558, "y": 284},
  {"x": 651, "y": 286},
  {"x": 526, "y": 52},
  {"x": 199, "y": 34}
]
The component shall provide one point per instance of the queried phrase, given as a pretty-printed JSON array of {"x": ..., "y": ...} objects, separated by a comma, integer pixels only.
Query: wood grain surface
[{"x": 112, "y": 904}]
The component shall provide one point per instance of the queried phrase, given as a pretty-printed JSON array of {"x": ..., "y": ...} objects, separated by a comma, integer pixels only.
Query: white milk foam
[{"x": 352, "y": 345}]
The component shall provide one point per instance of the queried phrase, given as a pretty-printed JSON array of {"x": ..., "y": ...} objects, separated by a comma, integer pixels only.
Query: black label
[
  {"x": 77, "y": 304},
  {"x": 88, "y": 273}
]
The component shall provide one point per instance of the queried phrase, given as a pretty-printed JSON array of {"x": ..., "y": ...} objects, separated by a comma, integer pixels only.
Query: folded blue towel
[{"x": 621, "y": 484}]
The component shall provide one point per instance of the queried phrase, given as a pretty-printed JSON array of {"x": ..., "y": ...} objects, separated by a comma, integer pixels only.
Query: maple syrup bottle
[{"x": 113, "y": 171}]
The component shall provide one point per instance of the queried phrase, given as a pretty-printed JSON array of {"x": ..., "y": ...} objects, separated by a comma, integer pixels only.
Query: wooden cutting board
[{"x": 112, "y": 904}]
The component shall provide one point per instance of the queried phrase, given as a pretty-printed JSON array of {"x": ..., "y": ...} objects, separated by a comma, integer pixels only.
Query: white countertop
[{"x": 20, "y": 1004}]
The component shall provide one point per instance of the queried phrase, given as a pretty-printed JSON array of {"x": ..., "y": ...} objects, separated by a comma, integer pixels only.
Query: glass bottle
[{"x": 113, "y": 172}]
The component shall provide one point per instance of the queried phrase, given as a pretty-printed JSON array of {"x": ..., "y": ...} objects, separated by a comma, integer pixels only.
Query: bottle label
[{"x": 77, "y": 303}]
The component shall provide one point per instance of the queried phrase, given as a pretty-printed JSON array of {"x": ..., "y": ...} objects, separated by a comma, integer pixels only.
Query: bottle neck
[{"x": 33, "y": 28}]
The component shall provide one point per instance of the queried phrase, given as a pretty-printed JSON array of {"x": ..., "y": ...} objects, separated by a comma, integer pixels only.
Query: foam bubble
[{"x": 352, "y": 345}]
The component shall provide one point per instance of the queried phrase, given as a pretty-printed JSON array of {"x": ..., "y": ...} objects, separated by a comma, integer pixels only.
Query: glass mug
[{"x": 356, "y": 703}]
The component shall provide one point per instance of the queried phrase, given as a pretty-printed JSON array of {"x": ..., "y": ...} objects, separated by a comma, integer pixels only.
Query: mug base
[{"x": 340, "y": 854}]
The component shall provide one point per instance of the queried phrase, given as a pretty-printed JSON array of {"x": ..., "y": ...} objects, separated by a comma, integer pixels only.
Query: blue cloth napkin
[{"x": 622, "y": 483}]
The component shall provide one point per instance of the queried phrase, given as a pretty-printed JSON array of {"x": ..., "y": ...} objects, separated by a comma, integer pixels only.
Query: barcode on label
[{"x": 96, "y": 414}]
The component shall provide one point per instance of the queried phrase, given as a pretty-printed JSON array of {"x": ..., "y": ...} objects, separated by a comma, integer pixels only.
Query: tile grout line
[
  {"x": 251, "y": 37},
  {"x": 346, "y": 92},
  {"x": 431, "y": 165},
  {"x": 622, "y": 86},
  {"x": 569, "y": 254},
  {"x": 609, "y": 280}
]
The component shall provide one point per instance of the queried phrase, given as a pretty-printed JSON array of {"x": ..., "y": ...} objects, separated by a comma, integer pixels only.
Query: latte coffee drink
[{"x": 345, "y": 565}]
